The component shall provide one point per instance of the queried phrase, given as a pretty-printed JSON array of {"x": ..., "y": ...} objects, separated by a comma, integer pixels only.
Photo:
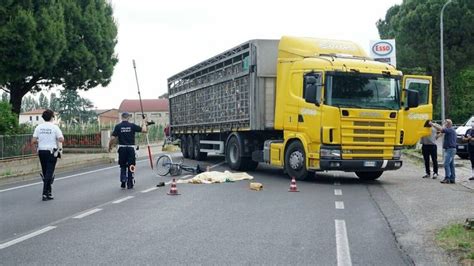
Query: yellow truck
[{"x": 301, "y": 104}]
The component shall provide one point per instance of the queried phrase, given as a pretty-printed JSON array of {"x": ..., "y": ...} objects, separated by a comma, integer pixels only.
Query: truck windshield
[{"x": 358, "y": 90}]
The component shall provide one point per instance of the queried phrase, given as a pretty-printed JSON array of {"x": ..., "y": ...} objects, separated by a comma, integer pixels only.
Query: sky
[{"x": 166, "y": 37}]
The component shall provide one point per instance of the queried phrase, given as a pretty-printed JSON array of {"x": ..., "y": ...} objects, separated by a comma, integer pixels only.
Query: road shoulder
[{"x": 416, "y": 208}]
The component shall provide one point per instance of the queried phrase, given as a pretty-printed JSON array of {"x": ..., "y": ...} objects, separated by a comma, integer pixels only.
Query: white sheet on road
[{"x": 216, "y": 177}]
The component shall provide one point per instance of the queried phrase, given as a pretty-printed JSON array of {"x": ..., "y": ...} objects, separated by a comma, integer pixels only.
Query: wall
[{"x": 36, "y": 119}]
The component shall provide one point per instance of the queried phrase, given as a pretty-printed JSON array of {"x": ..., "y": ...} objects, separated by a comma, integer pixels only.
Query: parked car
[{"x": 461, "y": 147}]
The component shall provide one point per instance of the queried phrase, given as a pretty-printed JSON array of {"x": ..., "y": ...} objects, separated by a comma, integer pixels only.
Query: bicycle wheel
[{"x": 163, "y": 164}]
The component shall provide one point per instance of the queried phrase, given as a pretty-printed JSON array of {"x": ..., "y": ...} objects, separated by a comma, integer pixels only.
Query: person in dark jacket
[
  {"x": 124, "y": 134},
  {"x": 449, "y": 146},
  {"x": 469, "y": 138}
]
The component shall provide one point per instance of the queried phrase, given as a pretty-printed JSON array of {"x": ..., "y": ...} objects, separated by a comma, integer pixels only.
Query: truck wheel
[
  {"x": 369, "y": 175},
  {"x": 184, "y": 147},
  {"x": 295, "y": 161},
  {"x": 190, "y": 144},
  {"x": 200, "y": 156},
  {"x": 233, "y": 154}
]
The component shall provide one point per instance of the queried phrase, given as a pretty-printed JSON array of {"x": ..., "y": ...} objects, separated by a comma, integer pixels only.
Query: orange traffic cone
[
  {"x": 293, "y": 187},
  {"x": 173, "y": 189}
]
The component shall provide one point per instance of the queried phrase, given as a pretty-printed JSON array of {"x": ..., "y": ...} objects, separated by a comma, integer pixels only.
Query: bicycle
[{"x": 164, "y": 165}]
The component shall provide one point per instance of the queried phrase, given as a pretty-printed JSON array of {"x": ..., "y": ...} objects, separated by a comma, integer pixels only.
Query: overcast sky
[{"x": 165, "y": 37}]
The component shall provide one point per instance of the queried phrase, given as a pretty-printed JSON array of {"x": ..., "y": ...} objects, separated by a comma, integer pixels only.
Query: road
[{"x": 333, "y": 220}]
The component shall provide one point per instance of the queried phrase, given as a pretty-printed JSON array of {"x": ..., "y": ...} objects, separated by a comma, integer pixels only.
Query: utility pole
[{"x": 442, "y": 60}]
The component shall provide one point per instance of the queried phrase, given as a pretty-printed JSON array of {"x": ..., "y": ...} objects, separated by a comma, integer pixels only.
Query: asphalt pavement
[{"x": 333, "y": 220}]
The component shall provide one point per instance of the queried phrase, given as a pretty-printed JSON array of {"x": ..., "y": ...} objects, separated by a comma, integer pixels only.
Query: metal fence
[
  {"x": 19, "y": 146},
  {"x": 16, "y": 146},
  {"x": 92, "y": 140}
]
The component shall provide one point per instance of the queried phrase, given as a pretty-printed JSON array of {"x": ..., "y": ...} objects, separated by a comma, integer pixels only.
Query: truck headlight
[
  {"x": 330, "y": 153},
  {"x": 397, "y": 154}
]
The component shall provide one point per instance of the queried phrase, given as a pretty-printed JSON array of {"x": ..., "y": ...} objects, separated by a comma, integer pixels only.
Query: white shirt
[{"x": 47, "y": 134}]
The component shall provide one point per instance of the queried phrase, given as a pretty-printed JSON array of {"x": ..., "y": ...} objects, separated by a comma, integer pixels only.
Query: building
[
  {"x": 107, "y": 116},
  {"x": 156, "y": 110},
  {"x": 34, "y": 118}
]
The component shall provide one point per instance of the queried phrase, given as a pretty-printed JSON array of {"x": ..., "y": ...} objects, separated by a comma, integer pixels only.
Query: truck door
[
  {"x": 309, "y": 111},
  {"x": 415, "y": 118}
]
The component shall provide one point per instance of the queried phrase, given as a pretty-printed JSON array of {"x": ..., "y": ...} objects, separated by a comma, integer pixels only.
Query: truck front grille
[{"x": 367, "y": 139}]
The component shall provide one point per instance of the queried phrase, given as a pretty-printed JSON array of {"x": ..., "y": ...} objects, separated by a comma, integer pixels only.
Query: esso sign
[{"x": 382, "y": 48}]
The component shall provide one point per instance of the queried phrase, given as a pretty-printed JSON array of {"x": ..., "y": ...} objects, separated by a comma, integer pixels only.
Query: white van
[{"x": 461, "y": 147}]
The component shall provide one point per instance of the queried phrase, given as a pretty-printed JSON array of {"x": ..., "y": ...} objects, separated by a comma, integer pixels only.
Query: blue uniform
[{"x": 125, "y": 132}]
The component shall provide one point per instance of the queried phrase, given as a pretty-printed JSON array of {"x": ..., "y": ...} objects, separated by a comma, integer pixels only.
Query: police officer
[
  {"x": 124, "y": 133},
  {"x": 49, "y": 139}
]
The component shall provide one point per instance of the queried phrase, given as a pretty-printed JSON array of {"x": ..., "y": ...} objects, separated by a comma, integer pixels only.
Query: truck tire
[
  {"x": 233, "y": 154},
  {"x": 184, "y": 147},
  {"x": 198, "y": 155},
  {"x": 295, "y": 161},
  {"x": 190, "y": 144},
  {"x": 369, "y": 175}
]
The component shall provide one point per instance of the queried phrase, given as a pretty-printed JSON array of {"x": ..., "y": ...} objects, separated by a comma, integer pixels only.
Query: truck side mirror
[
  {"x": 312, "y": 90},
  {"x": 412, "y": 98}
]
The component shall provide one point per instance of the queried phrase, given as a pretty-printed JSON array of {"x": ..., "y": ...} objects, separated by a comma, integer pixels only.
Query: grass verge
[{"x": 457, "y": 241}]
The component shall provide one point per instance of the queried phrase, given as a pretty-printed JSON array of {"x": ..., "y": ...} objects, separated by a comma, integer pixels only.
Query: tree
[
  {"x": 43, "y": 101},
  {"x": 53, "y": 102},
  {"x": 415, "y": 26},
  {"x": 8, "y": 120},
  {"x": 29, "y": 103},
  {"x": 74, "y": 109},
  {"x": 55, "y": 43}
]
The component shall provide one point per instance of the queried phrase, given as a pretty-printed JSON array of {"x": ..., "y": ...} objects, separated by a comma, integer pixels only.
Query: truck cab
[{"x": 340, "y": 110}]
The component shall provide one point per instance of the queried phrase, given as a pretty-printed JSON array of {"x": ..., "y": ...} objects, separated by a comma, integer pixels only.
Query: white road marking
[
  {"x": 337, "y": 183},
  {"x": 82, "y": 215},
  {"x": 64, "y": 177},
  {"x": 122, "y": 199},
  {"x": 340, "y": 205},
  {"x": 338, "y": 192},
  {"x": 148, "y": 190},
  {"x": 25, "y": 237},
  {"x": 342, "y": 244}
]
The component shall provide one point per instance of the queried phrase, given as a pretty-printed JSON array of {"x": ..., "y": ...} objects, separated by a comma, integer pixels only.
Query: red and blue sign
[{"x": 382, "y": 48}]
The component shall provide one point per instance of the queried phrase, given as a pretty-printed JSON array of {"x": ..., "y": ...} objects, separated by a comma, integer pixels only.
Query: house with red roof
[{"x": 156, "y": 110}]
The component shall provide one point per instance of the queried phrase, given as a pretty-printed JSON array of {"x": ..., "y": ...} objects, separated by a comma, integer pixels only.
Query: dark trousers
[
  {"x": 430, "y": 151},
  {"x": 471, "y": 155},
  {"x": 126, "y": 160},
  {"x": 48, "y": 164}
]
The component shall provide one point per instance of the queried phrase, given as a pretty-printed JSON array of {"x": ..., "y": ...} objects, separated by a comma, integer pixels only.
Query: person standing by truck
[
  {"x": 469, "y": 138},
  {"x": 124, "y": 134},
  {"x": 49, "y": 139},
  {"x": 429, "y": 149},
  {"x": 449, "y": 146}
]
